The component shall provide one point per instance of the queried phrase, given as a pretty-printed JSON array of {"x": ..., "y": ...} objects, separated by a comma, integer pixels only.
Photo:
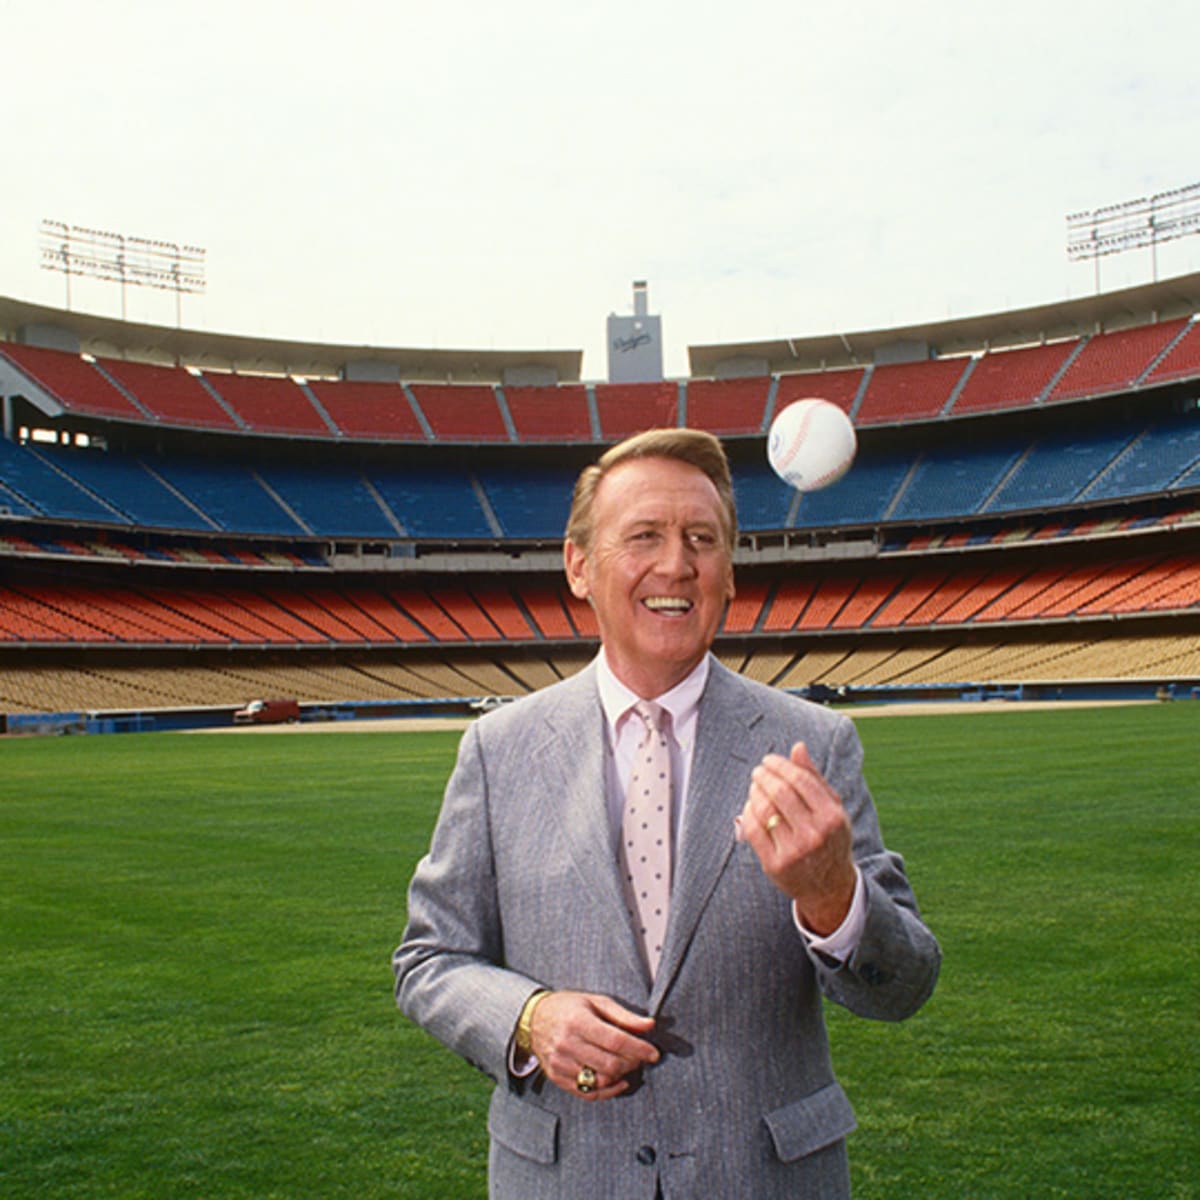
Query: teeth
[{"x": 667, "y": 603}]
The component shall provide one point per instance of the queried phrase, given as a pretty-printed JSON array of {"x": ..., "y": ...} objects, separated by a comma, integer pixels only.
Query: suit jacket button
[{"x": 646, "y": 1156}]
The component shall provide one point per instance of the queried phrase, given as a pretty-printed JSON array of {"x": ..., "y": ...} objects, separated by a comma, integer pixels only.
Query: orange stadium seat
[
  {"x": 746, "y": 607},
  {"x": 544, "y": 604},
  {"x": 502, "y": 610},
  {"x": 387, "y": 616},
  {"x": 429, "y": 615},
  {"x": 463, "y": 609},
  {"x": 977, "y": 597},
  {"x": 908, "y": 599},
  {"x": 865, "y": 602},
  {"x": 309, "y": 614},
  {"x": 1139, "y": 590},
  {"x": 825, "y": 605},
  {"x": 582, "y": 615},
  {"x": 790, "y": 601}
]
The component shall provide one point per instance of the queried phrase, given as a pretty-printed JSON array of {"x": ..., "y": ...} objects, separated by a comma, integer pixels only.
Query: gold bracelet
[{"x": 524, "y": 1034}]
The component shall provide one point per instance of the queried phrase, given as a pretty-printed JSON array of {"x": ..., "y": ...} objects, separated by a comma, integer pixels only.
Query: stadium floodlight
[
  {"x": 1147, "y": 221},
  {"x": 118, "y": 258}
]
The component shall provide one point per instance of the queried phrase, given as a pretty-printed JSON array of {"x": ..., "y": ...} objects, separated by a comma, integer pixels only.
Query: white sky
[{"x": 495, "y": 175}]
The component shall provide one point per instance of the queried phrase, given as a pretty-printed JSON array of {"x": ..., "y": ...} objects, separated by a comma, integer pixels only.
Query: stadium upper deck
[{"x": 1106, "y": 345}]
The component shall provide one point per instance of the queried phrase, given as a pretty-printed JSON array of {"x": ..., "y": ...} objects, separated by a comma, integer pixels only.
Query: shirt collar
[{"x": 681, "y": 701}]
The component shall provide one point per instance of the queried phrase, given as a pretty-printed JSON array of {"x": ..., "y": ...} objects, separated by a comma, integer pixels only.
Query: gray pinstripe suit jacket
[{"x": 520, "y": 889}]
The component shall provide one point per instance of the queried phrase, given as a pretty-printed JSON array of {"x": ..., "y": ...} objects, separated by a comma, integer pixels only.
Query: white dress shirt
[{"x": 683, "y": 703}]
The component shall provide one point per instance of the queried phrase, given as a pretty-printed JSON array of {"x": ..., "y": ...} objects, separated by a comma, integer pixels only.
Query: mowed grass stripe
[{"x": 194, "y": 941}]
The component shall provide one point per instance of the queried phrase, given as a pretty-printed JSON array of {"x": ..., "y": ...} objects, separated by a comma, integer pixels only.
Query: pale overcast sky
[{"x": 495, "y": 175}]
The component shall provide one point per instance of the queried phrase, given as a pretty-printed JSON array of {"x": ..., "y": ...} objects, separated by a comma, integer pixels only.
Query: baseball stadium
[{"x": 368, "y": 540}]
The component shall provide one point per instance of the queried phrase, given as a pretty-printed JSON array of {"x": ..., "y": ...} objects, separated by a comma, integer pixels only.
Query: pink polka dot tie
[{"x": 646, "y": 834}]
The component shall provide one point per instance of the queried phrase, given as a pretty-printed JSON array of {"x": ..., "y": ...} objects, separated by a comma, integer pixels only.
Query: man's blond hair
[{"x": 693, "y": 446}]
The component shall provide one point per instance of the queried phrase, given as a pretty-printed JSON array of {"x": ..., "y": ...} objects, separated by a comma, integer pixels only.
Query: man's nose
[{"x": 678, "y": 556}]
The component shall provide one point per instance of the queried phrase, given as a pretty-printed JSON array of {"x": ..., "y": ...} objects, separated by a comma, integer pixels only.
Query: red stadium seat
[
  {"x": 172, "y": 394},
  {"x": 909, "y": 391},
  {"x": 728, "y": 406},
  {"x": 461, "y": 412},
  {"x": 1111, "y": 362},
  {"x": 550, "y": 414},
  {"x": 369, "y": 410},
  {"x": 73, "y": 382}
]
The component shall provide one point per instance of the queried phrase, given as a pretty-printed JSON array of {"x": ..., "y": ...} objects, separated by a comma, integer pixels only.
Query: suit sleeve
[
  {"x": 893, "y": 969},
  {"x": 449, "y": 971}
]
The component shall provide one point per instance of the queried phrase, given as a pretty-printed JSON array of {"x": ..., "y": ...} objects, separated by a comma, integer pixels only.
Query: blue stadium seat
[
  {"x": 955, "y": 484},
  {"x": 124, "y": 482},
  {"x": 31, "y": 477},
  {"x": 763, "y": 499},
  {"x": 11, "y": 505},
  {"x": 1058, "y": 469},
  {"x": 430, "y": 503},
  {"x": 861, "y": 497},
  {"x": 529, "y": 504},
  {"x": 331, "y": 501},
  {"x": 1155, "y": 461},
  {"x": 229, "y": 494}
]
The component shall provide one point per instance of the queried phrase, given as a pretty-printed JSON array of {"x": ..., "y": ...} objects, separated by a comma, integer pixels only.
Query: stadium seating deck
[
  {"x": 173, "y": 395},
  {"x": 72, "y": 381},
  {"x": 839, "y": 387},
  {"x": 628, "y": 408},
  {"x": 1011, "y": 378},
  {"x": 1112, "y": 362},
  {"x": 909, "y": 391},
  {"x": 729, "y": 406},
  {"x": 269, "y": 404},
  {"x": 550, "y": 414},
  {"x": 1182, "y": 361},
  {"x": 461, "y": 412},
  {"x": 361, "y": 409}
]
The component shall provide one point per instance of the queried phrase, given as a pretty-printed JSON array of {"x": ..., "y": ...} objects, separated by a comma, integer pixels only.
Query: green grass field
[{"x": 195, "y": 934}]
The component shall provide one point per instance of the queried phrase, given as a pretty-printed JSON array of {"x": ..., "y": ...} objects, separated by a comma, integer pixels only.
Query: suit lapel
[
  {"x": 722, "y": 756},
  {"x": 571, "y": 759}
]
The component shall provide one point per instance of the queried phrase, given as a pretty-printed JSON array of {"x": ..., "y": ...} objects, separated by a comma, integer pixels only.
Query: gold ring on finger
[
  {"x": 585, "y": 1081},
  {"x": 772, "y": 821}
]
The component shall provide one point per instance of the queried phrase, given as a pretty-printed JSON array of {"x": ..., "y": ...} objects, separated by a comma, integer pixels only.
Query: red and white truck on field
[{"x": 267, "y": 712}]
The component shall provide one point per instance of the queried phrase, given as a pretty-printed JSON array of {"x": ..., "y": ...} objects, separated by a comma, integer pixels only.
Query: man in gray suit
[{"x": 690, "y": 1060}]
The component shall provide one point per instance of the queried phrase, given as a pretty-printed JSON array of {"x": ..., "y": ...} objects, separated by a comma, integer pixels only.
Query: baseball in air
[{"x": 811, "y": 444}]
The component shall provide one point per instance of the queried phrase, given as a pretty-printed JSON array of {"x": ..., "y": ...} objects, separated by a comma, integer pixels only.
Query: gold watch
[{"x": 524, "y": 1034}]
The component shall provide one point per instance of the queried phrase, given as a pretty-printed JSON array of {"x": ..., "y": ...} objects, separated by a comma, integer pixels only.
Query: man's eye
[{"x": 702, "y": 539}]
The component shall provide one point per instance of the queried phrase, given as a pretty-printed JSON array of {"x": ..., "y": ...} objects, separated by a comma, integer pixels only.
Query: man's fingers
[{"x": 574, "y": 1030}]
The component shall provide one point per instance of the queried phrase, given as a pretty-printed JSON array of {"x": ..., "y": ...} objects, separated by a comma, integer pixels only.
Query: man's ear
[{"x": 575, "y": 563}]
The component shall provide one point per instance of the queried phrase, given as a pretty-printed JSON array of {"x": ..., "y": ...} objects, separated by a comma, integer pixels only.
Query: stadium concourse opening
[{"x": 192, "y": 521}]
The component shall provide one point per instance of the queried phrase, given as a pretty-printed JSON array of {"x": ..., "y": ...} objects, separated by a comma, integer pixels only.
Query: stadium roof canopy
[
  {"x": 1106, "y": 312},
  {"x": 107, "y": 337}
]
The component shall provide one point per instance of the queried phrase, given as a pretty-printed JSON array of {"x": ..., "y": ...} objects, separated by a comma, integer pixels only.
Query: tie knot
[{"x": 651, "y": 714}]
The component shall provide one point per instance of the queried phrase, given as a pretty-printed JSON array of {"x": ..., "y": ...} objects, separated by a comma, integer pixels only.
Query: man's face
[{"x": 658, "y": 572}]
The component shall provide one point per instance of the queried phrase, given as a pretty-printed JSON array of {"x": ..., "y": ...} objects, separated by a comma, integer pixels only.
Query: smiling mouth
[{"x": 671, "y": 606}]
